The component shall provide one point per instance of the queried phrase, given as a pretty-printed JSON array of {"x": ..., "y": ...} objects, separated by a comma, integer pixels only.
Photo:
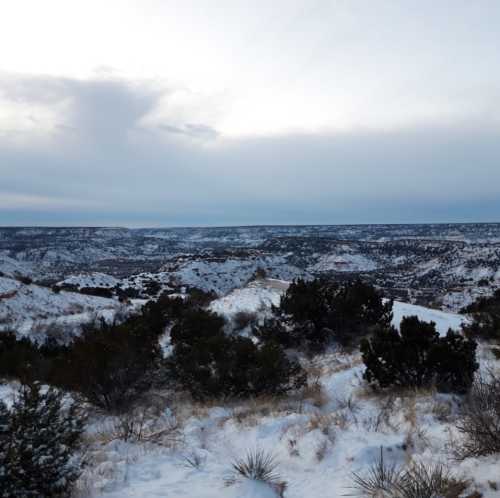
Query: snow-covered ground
[
  {"x": 139, "y": 281},
  {"x": 442, "y": 319},
  {"x": 32, "y": 308},
  {"x": 10, "y": 267},
  {"x": 258, "y": 296},
  {"x": 343, "y": 262},
  {"x": 318, "y": 438},
  {"x": 222, "y": 276}
]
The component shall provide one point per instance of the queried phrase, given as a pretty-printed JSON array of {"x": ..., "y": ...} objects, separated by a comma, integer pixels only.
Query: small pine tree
[{"x": 38, "y": 447}]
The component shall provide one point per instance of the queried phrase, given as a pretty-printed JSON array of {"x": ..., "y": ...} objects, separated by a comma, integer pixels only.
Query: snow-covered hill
[
  {"x": 29, "y": 308},
  {"x": 222, "y": 275},
  {"x": 442, "y": 319},
  {"x": 259, "y": 295},
  {"x": 435, "y": 265},
  {"x": 10, "y": 267}
]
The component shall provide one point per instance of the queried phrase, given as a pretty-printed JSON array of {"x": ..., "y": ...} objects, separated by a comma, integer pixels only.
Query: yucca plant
[
  {"x": 418, "y": 481},
  {"x": 423, "y": 481},
  {"x": 381, "y": 478},
  {"x": 257, "y": 465}
]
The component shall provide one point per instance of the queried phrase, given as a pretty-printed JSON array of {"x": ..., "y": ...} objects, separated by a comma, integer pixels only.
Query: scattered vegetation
[
  {"x": 479, "y": 424},
  {"x": 113, "y": 365},
  {"x": 417, "y": 357}
]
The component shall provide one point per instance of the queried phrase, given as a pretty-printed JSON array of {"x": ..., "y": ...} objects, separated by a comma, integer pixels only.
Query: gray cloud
[
  {"x": 194, "y": 130},
  {"x": 103, "y": 166}
]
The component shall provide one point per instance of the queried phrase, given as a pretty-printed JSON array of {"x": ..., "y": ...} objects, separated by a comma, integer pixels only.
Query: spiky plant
[
  {"x": 424, "y": 481},
  {"x": 257, "y": 465},
  {"x": 381, "y": 478},
  {"x": 418, "y": 481}
]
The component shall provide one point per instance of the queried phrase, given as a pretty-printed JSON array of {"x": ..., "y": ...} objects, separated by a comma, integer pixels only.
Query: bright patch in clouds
[
  {"x": 251, "y": 112},
  {"x": 270, "y": 67}
]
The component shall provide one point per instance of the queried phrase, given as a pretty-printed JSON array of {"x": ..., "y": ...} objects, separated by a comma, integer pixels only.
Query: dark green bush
[
  {"x": 110, "y": 365},
  {"x": 25, "y": 280},
  {"x": 97, "y": 291},
  {"x": 208, "y": 363},
  {"x": 194, "y": 324},
  {"x": 24, "y": 360},
  {"x": 417, "y": 357},
  {"x": 319, "y": 312},
  {"x": 222, "y": 366},
  {"x": 157, "y": 314},
  {"x": 485, "y": 318}
]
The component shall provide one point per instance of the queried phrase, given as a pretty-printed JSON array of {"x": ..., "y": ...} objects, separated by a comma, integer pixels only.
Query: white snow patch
[
  {"x": 257, "y": 296},
  {"x": 442, "y": 319},
  {"x": 28, "y": 307}
]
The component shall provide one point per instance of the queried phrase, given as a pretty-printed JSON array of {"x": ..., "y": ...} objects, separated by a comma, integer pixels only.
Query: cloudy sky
[{"x": 211, "y": 112}]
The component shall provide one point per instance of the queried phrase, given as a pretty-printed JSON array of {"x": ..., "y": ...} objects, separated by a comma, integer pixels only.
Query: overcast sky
[{"x": 213, "y": 112}]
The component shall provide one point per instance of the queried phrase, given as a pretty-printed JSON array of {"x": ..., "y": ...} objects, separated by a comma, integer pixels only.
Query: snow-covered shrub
[
  {"x": 417, "y": 357},
  {"x": 38, "y": 439},
  {"x": 257, "y": 465},
  {"x": 480, "y": 420},
  {"x": 318, "y": 312}
]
